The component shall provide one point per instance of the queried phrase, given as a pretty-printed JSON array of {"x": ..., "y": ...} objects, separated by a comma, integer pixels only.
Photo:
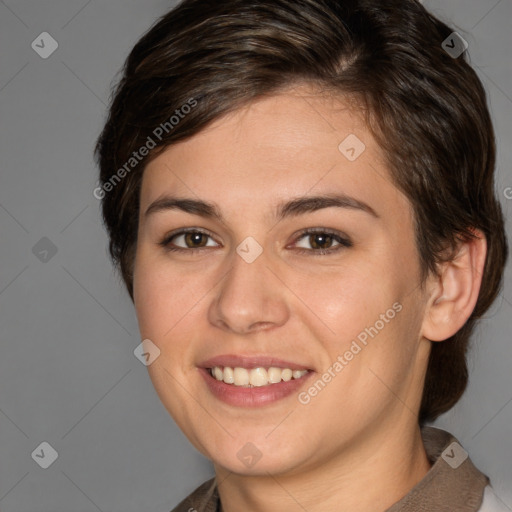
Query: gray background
[{"x": 68, "y": 375}]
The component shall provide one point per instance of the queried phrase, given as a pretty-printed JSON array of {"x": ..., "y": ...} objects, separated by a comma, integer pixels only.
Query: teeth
[
  {"x": 229, "y": 377},
  {"x": 217, "y": 373},
  {"x": 255, "y": 377},
  {"x": 258, "y": 377},
  {"x": 286, "y": 374},
  {"x": 241, "y": 376},
  {"x": 274, "y": 375}
]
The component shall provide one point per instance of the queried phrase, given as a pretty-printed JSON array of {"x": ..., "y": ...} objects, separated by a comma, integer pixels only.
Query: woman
[{"x": 299, "y": 196}]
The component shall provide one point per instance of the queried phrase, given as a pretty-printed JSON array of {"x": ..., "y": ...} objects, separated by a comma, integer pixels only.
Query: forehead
[{"x": 292, "y": 143}]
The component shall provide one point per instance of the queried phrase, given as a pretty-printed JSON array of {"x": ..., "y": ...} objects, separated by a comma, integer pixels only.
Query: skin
[{"x": 356, "y": 445}]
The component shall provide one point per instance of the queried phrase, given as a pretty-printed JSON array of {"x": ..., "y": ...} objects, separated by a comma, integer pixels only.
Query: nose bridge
[{"x": 249, "y": 297}]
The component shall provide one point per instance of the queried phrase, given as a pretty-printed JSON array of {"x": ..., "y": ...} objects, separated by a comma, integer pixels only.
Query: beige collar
[{"x": 453, "y": 482}]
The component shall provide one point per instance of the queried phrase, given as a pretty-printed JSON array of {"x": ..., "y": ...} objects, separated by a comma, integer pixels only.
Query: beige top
[{"x": 452, "y": 484}]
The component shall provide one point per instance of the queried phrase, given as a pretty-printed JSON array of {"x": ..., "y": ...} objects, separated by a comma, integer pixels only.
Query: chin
[
  {"x": 255, "y": 464},
  {"x": 257, "y": 458}
]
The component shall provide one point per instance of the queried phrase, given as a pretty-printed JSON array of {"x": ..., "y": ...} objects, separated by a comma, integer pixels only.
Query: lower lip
[{"x": 252, "y": 397}]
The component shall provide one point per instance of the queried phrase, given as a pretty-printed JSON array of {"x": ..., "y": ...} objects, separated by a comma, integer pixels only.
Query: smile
[{"x": 254, "y": 377}]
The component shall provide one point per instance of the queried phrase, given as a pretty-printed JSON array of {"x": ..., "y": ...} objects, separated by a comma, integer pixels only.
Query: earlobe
[{"x": 454, "y": 292}]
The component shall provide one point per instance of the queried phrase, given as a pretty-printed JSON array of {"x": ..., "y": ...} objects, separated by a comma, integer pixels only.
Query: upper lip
[{"x": 247, "y": 361}]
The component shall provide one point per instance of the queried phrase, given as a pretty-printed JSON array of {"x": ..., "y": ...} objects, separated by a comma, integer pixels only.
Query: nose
[{"x": 250, "y": 298}]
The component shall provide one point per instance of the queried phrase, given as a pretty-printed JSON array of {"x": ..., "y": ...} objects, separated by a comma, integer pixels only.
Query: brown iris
[
  {"x": 195, "y": 239},
  {"x": 320, "y": 240}
]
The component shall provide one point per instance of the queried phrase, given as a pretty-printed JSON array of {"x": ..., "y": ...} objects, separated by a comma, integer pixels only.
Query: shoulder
[
  {"x": 202, "y": 499},
  {"x": 492, "y": 503}
]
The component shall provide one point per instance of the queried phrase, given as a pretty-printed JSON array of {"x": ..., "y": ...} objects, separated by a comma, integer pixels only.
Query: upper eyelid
[
  {"x": 183, "y": 231},
  {"x": 341, "y": 238}
]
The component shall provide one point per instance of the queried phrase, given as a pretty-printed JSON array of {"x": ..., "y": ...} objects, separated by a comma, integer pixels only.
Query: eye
[
  {"x": 321, "y": 241},
  {"x": 187, "y": 239}
]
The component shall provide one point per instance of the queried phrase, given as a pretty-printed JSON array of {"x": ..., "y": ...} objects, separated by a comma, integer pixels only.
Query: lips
[{"x": 217, "y": 373}]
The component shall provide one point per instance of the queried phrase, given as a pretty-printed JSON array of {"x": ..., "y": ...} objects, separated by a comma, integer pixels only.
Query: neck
[{"x": 368, "y": 478}]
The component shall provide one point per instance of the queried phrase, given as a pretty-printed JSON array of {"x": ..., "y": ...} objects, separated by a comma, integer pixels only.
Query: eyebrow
[{"x": 292, "y": 208}]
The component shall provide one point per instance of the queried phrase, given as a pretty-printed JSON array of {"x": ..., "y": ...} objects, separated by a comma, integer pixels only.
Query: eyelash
[{"x": 344, "y": 242}]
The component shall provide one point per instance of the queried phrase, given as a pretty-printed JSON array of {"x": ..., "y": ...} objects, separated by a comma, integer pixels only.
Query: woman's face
[{"x": 271, "y": 278}]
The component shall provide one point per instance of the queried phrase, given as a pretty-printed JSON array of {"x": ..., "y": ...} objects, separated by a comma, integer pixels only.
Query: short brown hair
[{"x": 426, "y": 108}]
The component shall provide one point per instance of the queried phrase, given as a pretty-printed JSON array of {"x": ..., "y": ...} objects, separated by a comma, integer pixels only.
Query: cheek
[
  {"x": 154, "y": 300},
  {"x": 168, "y": 299},
  {"x": 369, "y": 319},
  {"x": 348, "y": 300}
]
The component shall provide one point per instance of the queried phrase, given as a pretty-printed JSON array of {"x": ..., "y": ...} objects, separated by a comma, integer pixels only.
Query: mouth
[{"x": 246, "y": 381}]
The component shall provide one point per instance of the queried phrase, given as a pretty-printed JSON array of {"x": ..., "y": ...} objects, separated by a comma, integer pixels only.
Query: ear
[{"x": 454, "y": 293}]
